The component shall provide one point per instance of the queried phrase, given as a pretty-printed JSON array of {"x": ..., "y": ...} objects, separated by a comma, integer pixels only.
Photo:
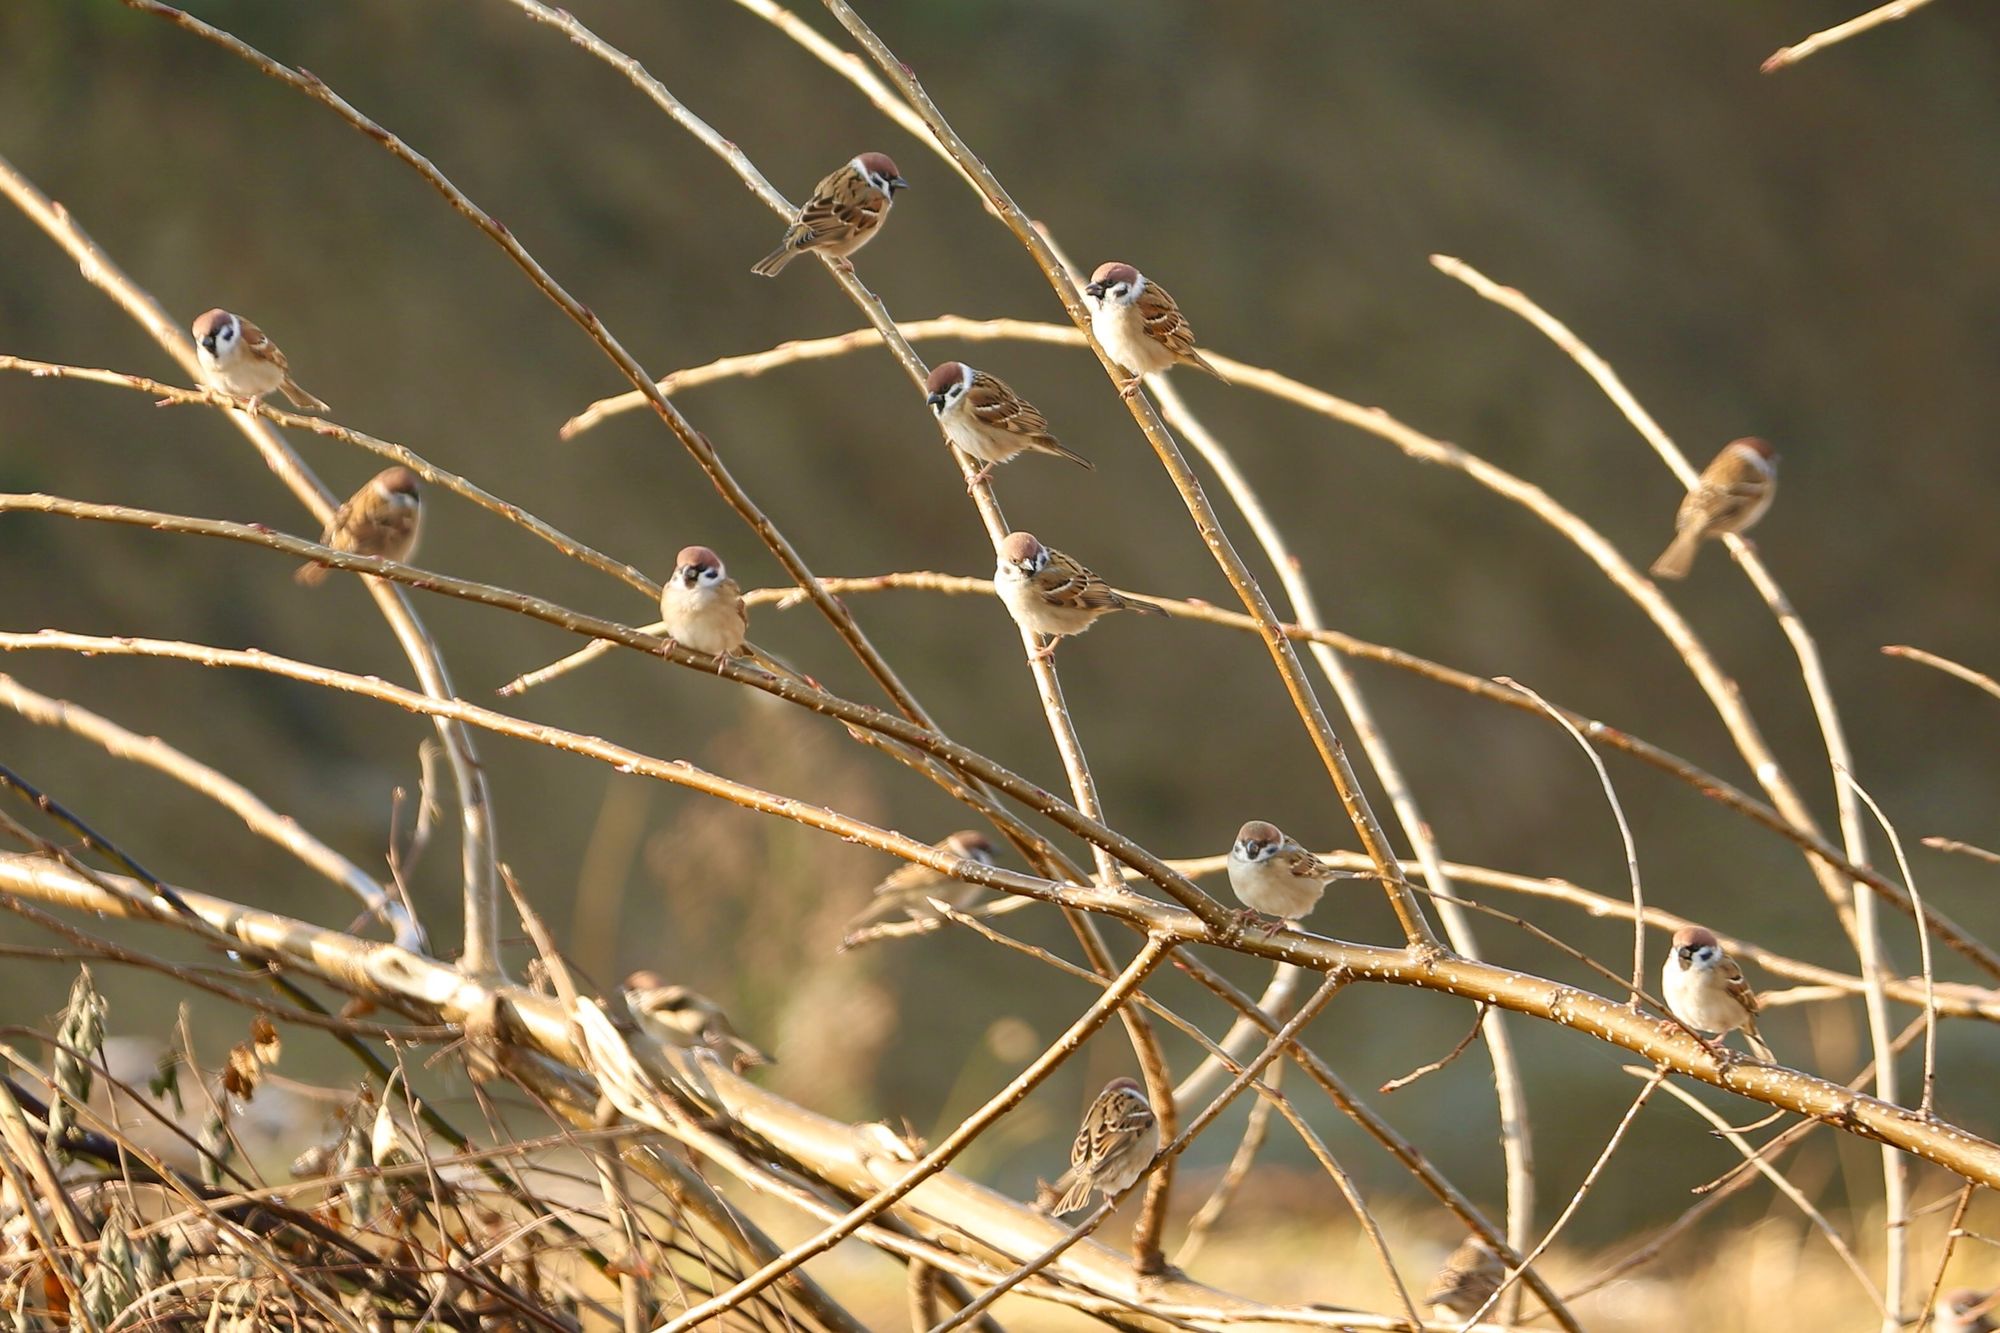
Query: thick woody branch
[{"x": 1656, "y": 1040}]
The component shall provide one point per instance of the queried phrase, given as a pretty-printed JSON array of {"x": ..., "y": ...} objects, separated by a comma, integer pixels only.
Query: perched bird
[
  {"x": 1139, "y": 324},
  {"x": 844, "y": 213},
  {"x": 1114, "y": 1147},
  {"x": 702, "y": 605},
  {"x": 1731, "y": 494},
  {"x": 1964, "y": 1311},
  {"x": 382, "y": 518},
  {"x": 1049, "y": 593},
  {"x": 909, "y": 888},
  {"x": 1275, "y": 876},
  {"x": 239, "y": 359},
  {"x": 1705, "y": 989},
  {"x": 988, "y": 420},
  {"x": 1468, "y": 1278},
  {"x": 687, "y": 1019}
]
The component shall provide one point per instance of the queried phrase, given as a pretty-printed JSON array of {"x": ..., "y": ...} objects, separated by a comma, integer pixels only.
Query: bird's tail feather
[
  {"x": 1200, "y": 362},
  {"x": 1678, "y": 558},
  {"x": 1049, "y": 444},
  {"x": 1075, "y": 1197},
  {"x": 300, "y": 399},
  {"x": 771, "y": 265}
]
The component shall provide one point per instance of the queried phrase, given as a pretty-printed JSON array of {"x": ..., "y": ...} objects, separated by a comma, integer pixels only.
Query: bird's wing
[
  {"x": 996, "y": 405},
  {"x": 1732, "y": 978},
  {"x": 843, "y": 204},
  {"x": 1116, "y": 1120},
  {"x": 1064, "y": 582},
  {"x": 1164, "y": 322}
]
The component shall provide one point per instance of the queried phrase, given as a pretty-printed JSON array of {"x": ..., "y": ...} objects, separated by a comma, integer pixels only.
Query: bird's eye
[{"x": 1120, "y": 289}]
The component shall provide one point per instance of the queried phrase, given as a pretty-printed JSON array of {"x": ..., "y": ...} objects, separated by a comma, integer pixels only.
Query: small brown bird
[
  {"x": 1050, "y": 594},
  {"x": 239, "y": 359},
  {"x": 1964, "y": 1311},
  {"x": 687, "y": 1019},
  {"x": 844, "y": 213},
  {"x": 909, "y": 888},
  {"x": 988, "y": 420},
  {"x": 1705, "y": 989},
  {"x": 1113, "y": 1148},
  {"x": 1731, "y": 494},
  {"x": 1467, "y": 1280},
  {"x": 383, "y": 518},
  {"x": 1139, "y": 324},
  {"x": 1275, "y": 876},
  {"x": 703, "y": 607}
]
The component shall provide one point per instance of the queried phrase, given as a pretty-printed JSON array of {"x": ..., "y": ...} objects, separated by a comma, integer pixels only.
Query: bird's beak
[
  {"x": 897, "y": 183},
  {"x": 1094, "y": 289},
  {"x": 936, "y": 401}
]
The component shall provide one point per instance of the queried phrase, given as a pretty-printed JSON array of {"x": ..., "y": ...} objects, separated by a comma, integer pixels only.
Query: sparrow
[
  {"x": 702, "y": 605},
  {"x": 1049, "y": 593},
  {"x": 239, "y": 359},
  {"x": 687, "y": 1019},
  {"x": 908, "y": 888},
  {"x": 1139, "y": 324},
  {"x": 1114, "y": 1147},
  {"x": 1468, "y": 1278},
  {"x": 1963, "y": 1311},
  {"x": 988, "y": 420},
  {"x": 1274, "y": 876},
  {"x": 1731, "y": 494},
  {"x": 1705, "y": 989},
  {"x": 382, "y": 518},
  {"x": 844, "y": 213}
]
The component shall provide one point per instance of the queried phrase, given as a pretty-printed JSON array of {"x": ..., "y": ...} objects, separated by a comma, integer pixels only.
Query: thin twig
[
  {"x": 1946, "y": 665},
  {"x": 1928, "y": 1101},
  {"x": 1576, "y": 1199},
  {"x": 1839, "y": 32},
  {"x": 1255, "y": 1129},
  {"x": 1398, "y": 1084},
  {"x": 1624, "y": 831},
  {"x": 1783, "y": 1184},
  {"x": 1962, "y": 849},
  {"x": 1951, "y": 1235}
]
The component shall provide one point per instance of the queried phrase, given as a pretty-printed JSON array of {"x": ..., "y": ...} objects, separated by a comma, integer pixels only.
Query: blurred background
[{"x": 1809, "y": 256}]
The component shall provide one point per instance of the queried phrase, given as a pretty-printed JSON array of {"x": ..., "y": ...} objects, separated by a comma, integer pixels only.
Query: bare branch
[{"x": 1839, "y": 32}]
